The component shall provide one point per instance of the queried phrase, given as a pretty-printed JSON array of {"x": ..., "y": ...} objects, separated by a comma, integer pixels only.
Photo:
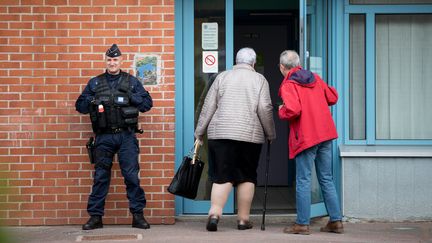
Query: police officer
[{"x": 114, "y": 100}]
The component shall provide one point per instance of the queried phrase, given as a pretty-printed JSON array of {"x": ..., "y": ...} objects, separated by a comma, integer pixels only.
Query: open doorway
[{"x": 269, "y": 27}]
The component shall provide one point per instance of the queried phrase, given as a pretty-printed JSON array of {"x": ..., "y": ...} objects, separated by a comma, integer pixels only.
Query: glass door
[
  {"x": 206, "y": 42},
  {"x": 204, "y": 47},
  {"x": 313, "y": 54}
]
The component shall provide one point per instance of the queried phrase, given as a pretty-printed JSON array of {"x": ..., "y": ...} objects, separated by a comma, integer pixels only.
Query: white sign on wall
[
  {"x": 210, "y": 61},
  {"x": 316, "y": 65},
  {"x": 209, "y": 40}
]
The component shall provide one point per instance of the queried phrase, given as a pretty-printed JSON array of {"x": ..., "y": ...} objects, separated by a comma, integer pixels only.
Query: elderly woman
[{"x": 237, "y": 115}]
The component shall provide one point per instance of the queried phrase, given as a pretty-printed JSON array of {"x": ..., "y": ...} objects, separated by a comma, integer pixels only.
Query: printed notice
[
  {"x": 210, "y": 62},
  {"x": 316, "y": 65},
  {"x": 209, "y": 36}
]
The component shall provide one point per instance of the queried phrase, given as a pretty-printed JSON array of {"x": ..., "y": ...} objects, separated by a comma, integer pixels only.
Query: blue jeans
[{"x": 321, "y": 154}]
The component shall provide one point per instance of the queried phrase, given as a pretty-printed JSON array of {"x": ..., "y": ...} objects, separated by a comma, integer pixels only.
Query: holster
[{"x": 90, "y": 145}]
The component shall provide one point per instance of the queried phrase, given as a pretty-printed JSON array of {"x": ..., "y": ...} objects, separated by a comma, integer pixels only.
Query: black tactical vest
[{"x": 111, "y": 111}]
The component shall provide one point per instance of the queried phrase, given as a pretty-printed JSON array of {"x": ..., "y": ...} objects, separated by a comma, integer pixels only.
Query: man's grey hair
[
  {"x": 246, "y": 55},
  {"x": 289, "y": 59}
]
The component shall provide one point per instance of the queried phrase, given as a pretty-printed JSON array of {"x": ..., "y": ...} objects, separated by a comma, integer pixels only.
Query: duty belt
[{"x": 115, "y": 130}]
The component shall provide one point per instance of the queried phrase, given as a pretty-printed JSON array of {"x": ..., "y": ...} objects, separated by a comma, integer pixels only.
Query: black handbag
[{"x": 186, "y": 180}]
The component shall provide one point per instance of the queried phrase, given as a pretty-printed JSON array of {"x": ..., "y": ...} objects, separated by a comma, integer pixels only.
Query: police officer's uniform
[{"x": 114, "y": 102}]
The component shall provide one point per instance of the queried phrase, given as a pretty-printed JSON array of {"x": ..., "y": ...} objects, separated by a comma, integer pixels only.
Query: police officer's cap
[{"x": 113, "y": 51}]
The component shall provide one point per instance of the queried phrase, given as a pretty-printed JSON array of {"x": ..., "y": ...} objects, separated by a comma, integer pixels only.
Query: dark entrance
[{"x": 269, "y": 30}]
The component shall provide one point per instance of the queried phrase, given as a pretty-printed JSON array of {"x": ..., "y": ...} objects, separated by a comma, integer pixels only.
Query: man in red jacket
[{"x": 306, "y": 100}]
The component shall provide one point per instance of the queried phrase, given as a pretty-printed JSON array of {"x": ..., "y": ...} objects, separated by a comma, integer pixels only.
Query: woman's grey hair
[
  {"x": 246, "y": 55},
  {"x": 289, "y": 59}
]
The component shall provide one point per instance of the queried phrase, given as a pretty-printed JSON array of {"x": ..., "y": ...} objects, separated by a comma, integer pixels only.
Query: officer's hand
[{"x": 90, "y": 99}]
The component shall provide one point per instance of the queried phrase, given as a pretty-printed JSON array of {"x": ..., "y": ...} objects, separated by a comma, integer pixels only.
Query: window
[
  {"x": 357, "y": 67},
  {"x": 403, "y": 76},
  {"x": 389, "y": 1},
  {"x": 389, "y": 71}
]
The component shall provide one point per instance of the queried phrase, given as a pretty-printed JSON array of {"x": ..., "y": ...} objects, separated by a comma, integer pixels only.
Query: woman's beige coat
[{"x": 238, "y": 107}]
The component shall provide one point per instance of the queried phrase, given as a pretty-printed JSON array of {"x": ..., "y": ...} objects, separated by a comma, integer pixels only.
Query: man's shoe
[
  {"x": 245, "y": 225},
  {"x": 138, "y": 221},
  {"x": 94, "y": 222},
  {"x": 333, "y": 227},
  {"x": 212, "y": 223},
  {"x": 297, "y": 229}
]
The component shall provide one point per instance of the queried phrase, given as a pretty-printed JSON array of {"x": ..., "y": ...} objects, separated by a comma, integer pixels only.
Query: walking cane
[{"x": 265, "y": 185}]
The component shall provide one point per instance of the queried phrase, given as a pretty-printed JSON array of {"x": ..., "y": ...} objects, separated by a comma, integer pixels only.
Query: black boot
[
  {"x": 94, "y": 222},
  {"x": 139, "y": 221}
]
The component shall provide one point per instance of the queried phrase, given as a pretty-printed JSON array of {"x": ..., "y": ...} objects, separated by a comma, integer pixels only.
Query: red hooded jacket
[{"x": 306, "y": 99}]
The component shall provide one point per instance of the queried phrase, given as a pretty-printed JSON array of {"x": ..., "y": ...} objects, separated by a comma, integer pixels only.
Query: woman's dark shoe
[
  {"x": 245, "y": 225},
  {"x": 212, "y": 223}
]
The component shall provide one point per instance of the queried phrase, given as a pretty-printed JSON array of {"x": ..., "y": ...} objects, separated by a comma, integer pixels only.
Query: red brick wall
[{"x": 49, "y": 49}]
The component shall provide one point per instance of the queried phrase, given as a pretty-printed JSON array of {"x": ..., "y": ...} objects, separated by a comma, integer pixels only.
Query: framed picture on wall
[{"x": 147, "y": 68}]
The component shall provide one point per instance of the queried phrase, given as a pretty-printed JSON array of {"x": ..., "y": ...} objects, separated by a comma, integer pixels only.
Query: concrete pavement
[{"x": 192, "y": 229}]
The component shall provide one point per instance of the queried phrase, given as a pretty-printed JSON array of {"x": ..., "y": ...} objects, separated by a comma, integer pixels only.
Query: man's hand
[{"x": 277, "y": 106}]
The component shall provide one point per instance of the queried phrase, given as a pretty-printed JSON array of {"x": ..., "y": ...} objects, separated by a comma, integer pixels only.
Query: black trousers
[{"x": 125, "y": 144}]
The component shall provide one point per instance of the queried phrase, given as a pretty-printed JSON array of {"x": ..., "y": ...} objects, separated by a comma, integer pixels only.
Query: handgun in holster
[{"x": 90, "y": 149}]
